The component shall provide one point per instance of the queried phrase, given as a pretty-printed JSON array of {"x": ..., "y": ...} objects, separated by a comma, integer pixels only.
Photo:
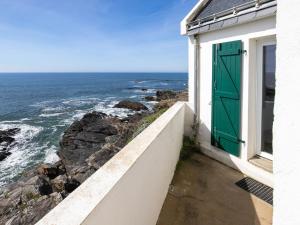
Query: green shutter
[{"x": 226, "y": 103}]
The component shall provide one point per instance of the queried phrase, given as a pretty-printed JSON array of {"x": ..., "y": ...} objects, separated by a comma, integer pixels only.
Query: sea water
[{"x": 43, "y": 105}]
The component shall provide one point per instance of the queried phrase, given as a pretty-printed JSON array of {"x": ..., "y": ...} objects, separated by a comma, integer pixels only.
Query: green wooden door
[{"x": 226, "y": 104}]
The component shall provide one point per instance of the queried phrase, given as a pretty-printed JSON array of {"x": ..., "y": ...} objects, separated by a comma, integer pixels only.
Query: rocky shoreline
[
  {"x": 85, "y": 146},
  {"x": 7, "y": 141}
]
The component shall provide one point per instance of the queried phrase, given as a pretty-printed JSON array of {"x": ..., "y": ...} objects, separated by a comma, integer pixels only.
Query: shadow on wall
[{"x": 203, "y": 191}]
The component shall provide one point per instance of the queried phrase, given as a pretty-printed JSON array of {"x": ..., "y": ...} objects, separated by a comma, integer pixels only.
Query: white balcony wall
[
  {"x": 287, "y": 120},
  {"x": 131, "y": 188}
]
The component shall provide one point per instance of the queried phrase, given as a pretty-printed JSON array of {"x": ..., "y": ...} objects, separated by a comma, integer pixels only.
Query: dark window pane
[{"x": 269, "y": 66}]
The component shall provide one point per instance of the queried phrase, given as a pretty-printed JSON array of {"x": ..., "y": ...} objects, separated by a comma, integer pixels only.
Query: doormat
[{"x": 256, "y": 188}]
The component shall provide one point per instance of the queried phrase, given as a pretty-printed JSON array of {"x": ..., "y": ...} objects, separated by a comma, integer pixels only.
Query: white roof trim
[
  {"x": 191, "y": 15},
  {"x": 243, "y": 16}
]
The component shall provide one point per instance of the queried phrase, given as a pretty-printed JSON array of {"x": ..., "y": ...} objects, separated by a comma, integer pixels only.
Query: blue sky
[{"x": 93, "y": 35}]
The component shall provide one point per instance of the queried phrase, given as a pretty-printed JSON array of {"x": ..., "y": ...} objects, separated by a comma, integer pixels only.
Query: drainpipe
[{"x": 197, "y": 79}]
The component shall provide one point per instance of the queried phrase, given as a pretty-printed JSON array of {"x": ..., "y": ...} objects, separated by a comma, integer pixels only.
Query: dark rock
[
  {"x": 7, "y": 139},
  {"x": 44, "y": 186},
  {"x": 39, "y": 208},
  {"x": 4, "y": 155},
  {"x": 29, "y": 192},
  {"x": 71, "y": 185},
  {"x": 144, "y": 89},
  {"x": 112, "y": 139},
  {"x": 64, "y": 194},
  {"x": 4, "y": 206},
  {"x": 60, "y": 167},
  {"x": 167, "y": 99},
  {"x": 10, "y": 132},
  {"x": 15, "y": 195},
  {"x": 103, "y": 127},
  {"x": 126, "y": 104},
  {"x": 150, "y": 98},
  {"x": 15, "y": 220},
  {"x": 76, "y": 126},
  {"x": 135, "y": 118},
  {"x": 164, "y": 95},
  {"x": 82, "y": 173},
  {"x": 92, "y": 117},
  {"x": 6, "y": 135},
  {"x": 50, "y": 171},
  {"x": 99, "y": 158},
  {"x": 86, "y": 137},
  {"x": 58, "y": 183},
  {"x": 90, "y": 137}
]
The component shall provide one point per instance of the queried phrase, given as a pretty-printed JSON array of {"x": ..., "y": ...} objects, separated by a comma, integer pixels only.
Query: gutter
[{"x": 237, "y": 15}]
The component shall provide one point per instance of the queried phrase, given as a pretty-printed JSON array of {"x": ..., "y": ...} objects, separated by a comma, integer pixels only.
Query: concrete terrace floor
[{"x": 203, "y": 192}]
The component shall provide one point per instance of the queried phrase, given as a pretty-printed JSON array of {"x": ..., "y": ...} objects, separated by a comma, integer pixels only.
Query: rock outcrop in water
[
  {"x": 165, "y": 95},
  {"x": 6, "y": 141},
  {"x": 126, "y": 104},
  {"x": 85, "y": 137},
  {"x": 85, "y": 146}
]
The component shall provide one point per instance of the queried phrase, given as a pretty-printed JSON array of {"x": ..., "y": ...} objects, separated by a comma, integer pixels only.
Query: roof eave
[
  {"x": 244, "y": 16},
  {"x": 191, "y": 15}
]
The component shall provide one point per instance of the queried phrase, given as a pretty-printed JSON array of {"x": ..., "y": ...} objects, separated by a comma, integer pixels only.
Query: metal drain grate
[{"x": 258, "y": 189}]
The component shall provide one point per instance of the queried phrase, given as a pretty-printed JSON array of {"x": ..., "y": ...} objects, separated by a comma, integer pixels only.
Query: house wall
[
  {"x": 287, "y": 120},
  {"x": 249, "y": 33},
  {"x": 130, "y": 189}
]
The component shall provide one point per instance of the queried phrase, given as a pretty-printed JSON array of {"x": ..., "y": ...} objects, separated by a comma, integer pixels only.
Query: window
[
  {"x": 268, "y": 95},
  {"x": 266, "y": 66}
]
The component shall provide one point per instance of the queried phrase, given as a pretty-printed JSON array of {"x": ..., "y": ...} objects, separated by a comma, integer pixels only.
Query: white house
[
  {"x": 232, "y": 47},
  {"x": 243, "y": 88}
]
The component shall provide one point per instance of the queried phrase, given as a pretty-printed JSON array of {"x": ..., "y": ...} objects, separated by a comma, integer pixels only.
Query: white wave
[
  {"x": 163, "y": 83},
  {"x": 14, "y": 121},
  {"x": 139, "y": 81},
  {"x": 11, "y": 121},
  {"x": 50, "y": 155},
  {"x": 111, "y": 104},
  {"x": 54, "y": 129},
  {"x": 108, "y": 108},
  {"x": 138, "y": 91},
  {"x": 41, "y": 104},
  {"x": 110, "y": 98},
  {"x": 22, "y": 151},
  {"x": 50, "y": 114},
  {"x": 54, "y": 109},
  {"x": 60, "y": 125},
  {"x": 27, "y": 132},
  {"x": 150, "y": 91},
  {"x": 80, "y": 102},
  {"x": 25, "y": 119},
  {"x": 77, "y": 116}
]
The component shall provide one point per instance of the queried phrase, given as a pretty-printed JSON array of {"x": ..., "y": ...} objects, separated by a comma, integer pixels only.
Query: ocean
[{"x": 43, "y": 105}]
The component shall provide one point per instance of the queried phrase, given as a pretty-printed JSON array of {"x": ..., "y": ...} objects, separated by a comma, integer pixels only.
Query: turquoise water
[{"x": 44, "y": 105}]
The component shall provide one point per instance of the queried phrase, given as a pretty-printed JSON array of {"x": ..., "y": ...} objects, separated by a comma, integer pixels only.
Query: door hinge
[
  {"x": 242, "y": 141},
  {"x": 241, "y": 51}
]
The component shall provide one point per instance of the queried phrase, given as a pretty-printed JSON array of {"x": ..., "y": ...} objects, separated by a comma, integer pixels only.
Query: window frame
[{"x": 260, "y": 43}]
